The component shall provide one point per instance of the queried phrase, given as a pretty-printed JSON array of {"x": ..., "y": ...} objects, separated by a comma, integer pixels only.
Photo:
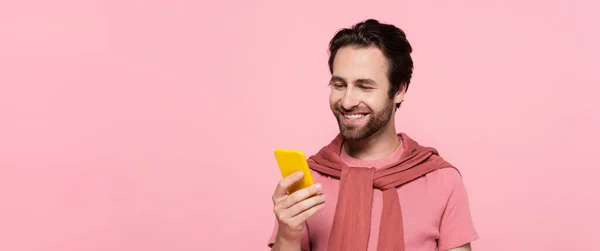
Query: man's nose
[{"x": 349, "y": 100}]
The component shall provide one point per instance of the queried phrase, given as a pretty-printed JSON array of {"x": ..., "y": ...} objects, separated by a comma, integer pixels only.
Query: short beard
[{"x": 376, "y": 122}]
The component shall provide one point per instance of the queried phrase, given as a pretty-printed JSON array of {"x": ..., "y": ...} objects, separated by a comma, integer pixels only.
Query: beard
[{"x": 377, "y": 121}]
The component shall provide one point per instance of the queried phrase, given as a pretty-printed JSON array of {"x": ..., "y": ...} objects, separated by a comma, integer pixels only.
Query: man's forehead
[{"x": 359, "y": 63}]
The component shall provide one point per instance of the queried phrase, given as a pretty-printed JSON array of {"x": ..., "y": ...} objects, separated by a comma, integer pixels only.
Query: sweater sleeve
[{"x": 456, "y": 225}]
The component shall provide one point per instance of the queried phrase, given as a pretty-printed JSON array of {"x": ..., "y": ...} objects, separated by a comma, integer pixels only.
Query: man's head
[{"x": 371, "y": 69}]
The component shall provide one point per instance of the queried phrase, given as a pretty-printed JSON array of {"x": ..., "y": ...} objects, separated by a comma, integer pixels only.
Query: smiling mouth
[{"x": 355, "y": 116}]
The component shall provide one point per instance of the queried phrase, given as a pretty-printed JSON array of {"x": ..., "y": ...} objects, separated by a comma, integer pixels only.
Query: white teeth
[{"x": 354, "y": 116}]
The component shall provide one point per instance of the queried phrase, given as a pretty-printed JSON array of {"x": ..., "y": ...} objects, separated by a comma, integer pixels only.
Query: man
[{"x": 375, "y": 189}]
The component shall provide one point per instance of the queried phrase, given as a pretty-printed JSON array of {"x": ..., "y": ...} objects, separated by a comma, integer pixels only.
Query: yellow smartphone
[{"x": 291, "y": 161}]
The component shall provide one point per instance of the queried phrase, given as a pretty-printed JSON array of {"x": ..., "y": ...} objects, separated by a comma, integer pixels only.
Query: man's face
[{"x": 359, "y": 92}]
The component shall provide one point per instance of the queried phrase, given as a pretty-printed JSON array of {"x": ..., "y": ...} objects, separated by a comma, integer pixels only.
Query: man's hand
[{"x": 294, "y": 209}]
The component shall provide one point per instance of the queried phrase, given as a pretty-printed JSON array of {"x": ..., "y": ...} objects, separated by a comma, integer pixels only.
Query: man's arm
[
  {"x": 277, "y": 243},
  {"x": 456, "y": 226},
  {"x": 284, "y": 245},
  {"x": 466, "y": 247}
]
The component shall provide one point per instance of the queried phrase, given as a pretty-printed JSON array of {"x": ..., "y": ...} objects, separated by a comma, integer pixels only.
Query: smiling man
[{"x": 375, "y": 189}]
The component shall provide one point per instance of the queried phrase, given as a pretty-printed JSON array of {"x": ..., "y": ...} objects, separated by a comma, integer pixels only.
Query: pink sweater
[{"x": 435, "y": 210}]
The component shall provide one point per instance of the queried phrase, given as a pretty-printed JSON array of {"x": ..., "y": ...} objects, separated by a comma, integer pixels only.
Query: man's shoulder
[
  {"x": 446, "y": 179},
  {"x": 445, "y": 173}
]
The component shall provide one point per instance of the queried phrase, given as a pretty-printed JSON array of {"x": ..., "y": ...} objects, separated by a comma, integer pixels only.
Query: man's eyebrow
[
  {"x": 365, "y": 81},
  {"x": 337, "y": 79},
  {"x": 360, "y": 81}
]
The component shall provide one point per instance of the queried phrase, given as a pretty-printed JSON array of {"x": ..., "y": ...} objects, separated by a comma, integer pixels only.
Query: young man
[{"x": 375, "y": 189}]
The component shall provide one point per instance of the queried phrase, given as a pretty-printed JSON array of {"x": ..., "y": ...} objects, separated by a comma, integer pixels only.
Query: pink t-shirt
[{"x": 435, "y": 210}]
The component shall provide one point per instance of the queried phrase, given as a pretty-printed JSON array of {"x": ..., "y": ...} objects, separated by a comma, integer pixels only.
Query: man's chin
[{"x": 352, "y": 134}]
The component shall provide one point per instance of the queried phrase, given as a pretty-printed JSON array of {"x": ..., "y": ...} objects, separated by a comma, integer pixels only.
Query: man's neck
[{"x": 377, "y": 146}]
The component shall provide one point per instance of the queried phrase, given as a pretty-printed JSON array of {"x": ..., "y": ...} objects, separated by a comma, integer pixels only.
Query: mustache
[{"x": 341, "y": 109}]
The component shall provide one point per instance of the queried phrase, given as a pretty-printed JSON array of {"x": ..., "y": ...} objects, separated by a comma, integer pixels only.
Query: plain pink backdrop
[{"x": 150, "y": 125}]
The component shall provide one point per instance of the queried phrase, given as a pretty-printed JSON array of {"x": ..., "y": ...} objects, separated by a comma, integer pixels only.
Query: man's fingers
[
  {"x": 306, "y": 204},
  {"x": 301, "y": 195},
  {"x": 302, "y": 217},
  {"x": 285, "y": 183}
]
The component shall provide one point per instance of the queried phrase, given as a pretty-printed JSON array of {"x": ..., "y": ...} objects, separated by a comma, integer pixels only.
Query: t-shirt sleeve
[
  {"x": 456, "y": 225},
  {"x": 305, "y": 243}
]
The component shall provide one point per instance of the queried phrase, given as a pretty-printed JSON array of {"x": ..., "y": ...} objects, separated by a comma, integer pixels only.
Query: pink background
[{"x": 150, "y": 125}]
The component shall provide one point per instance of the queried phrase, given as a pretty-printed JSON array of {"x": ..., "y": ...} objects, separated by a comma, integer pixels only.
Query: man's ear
[{"x": 399, "y": 97}]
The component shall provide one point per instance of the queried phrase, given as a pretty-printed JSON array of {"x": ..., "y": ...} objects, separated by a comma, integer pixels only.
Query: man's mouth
[{"x": 355, "y": 116}]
